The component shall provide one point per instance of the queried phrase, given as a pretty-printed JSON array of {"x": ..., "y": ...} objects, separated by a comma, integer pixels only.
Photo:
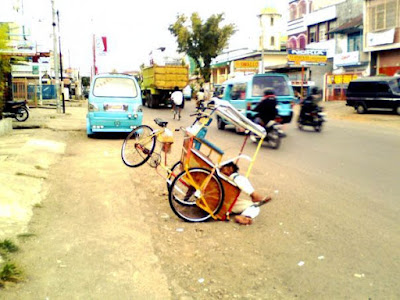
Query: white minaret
[{"x": 270, "y": 22}]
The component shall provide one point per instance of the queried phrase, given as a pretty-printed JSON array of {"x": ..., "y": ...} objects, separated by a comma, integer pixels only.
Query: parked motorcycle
[
  {"x": 274, "y": 134},
  {"x": 314, "y": 118},
  {"x": 16, "y": 109}
]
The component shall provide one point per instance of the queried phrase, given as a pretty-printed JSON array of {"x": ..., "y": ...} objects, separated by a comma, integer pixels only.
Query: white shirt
[{"x": 177, "y": 97}]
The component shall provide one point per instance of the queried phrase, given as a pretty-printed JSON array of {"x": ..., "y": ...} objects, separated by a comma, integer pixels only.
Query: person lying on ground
[{"x": 246, "y": 209}]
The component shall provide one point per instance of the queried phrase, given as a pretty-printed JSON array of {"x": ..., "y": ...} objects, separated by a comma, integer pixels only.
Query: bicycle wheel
[
  {"x": 138, "y": 146},
  {"x": 183, "y": 196}
]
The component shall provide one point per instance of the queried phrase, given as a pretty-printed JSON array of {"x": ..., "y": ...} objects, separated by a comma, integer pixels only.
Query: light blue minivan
[
  {"x": 114, "y": 104},
  {"x": 245, "y": 92}
]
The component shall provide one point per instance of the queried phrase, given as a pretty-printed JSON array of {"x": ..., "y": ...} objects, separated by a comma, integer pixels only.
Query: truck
[{"x": 158, "y": 82}]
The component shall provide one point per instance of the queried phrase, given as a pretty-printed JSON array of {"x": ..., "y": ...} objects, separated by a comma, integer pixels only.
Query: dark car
[{"x": 381, "y": 92}]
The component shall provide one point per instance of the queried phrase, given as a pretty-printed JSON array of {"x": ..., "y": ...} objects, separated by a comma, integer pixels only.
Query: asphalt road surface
[{"x": 105, "y": 231}]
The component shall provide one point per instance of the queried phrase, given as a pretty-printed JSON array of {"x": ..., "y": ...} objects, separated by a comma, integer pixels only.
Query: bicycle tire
[
  {"x": 175, "y": 170},
  {"x": 186, "y": 207},
  {"x": 135, "y": 154}
]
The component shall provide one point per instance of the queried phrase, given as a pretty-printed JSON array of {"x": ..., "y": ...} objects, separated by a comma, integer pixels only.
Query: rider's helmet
[
  {"x": 269, "y": 92},
  {"x": 315, "y": 91}
]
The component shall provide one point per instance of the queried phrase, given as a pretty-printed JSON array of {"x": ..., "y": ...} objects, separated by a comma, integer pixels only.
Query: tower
[{"x": 270, "y": 23}]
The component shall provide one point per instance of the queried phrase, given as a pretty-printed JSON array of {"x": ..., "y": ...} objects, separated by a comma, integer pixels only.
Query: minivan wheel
[
  {"x": 361, "y": 109},
  {"x": 397, "y": 110}
]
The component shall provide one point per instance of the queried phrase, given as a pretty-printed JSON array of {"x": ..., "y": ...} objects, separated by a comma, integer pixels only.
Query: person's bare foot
[
  {"x": 256, "y": 197},
  {"x": 243, "y": 220}
]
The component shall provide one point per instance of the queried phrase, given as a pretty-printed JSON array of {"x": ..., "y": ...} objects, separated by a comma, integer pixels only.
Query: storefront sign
[
  {"x": 380, "y": 38},
  {"x": 341, "y": 79},
  {"x": 246, "y": 65},
  {"x": 20, "y": 48},
  {"x": 347, "y": 59},
  {"x": 307, "y": 57}
]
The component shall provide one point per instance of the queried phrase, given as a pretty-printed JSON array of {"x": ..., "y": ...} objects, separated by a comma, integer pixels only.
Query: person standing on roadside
[{"x": 177, "y": 99}]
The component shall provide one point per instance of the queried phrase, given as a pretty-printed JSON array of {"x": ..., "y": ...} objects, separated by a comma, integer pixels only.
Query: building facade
[
  {"x": 271, "y": 51},
  {"x": 381, "y": 38},
  {"x": 349, "y": 61}
]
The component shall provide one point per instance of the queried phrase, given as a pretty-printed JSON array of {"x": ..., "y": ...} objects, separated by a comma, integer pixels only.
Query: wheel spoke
[
  {"x": 183, "y": 200},
  {"x": 138, "y": 146}
]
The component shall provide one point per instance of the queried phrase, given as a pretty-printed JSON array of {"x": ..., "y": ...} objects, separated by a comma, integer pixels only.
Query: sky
[{"x": 133, "y": 28}]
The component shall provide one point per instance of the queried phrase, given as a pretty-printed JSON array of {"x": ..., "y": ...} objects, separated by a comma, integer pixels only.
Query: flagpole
[{"x": 94, "y": 55}]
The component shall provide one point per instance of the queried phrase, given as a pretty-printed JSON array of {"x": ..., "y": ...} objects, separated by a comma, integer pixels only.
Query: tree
[
  {"x": 5, "y": 67},
  {"x": 201, "y": 41}
]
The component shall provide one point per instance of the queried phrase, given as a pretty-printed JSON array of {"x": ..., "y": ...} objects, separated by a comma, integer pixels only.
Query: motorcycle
[
  {"x": 314, "y": 118},
  {"x": 16, "y": 109},
  {"x": 274, "y": 134}
]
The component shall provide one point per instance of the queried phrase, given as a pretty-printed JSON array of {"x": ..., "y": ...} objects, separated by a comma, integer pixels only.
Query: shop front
[
  {"x": 348, "y": 66},
  {"x": 389, "y": 62},
  {"x": 336, "y": 85}
]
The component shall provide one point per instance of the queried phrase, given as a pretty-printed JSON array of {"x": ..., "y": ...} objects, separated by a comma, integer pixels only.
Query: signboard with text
[
  {"x": 246, "y": 65},
  {"x": 307, "y": 57}
]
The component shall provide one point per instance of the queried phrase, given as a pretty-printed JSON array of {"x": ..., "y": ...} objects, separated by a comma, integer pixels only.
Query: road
[{"x": 106, "y": 231}]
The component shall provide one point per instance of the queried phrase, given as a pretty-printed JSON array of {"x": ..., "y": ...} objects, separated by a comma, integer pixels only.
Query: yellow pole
[{"x": 254, "y": 157}]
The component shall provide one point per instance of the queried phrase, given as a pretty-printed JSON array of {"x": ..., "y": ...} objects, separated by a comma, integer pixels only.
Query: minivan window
[
  {"x": 238, "y": 91},
  {"x": 114, "y": 87},
  {"x": 278, "y": 83},
  {"x": 395, "y": 85},
  {"x": 362, "y": 87},
  {"x": 383, "y": 87}
]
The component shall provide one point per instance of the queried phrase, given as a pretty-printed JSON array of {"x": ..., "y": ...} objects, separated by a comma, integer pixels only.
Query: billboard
[{"x": 307, "y": 57}]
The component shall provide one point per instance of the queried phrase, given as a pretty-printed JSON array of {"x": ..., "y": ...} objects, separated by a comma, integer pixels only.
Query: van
[
  {"x": 374, "y": 92},
  {"x": 114, "y": 104},
  {"x": 245, "y": 92}
]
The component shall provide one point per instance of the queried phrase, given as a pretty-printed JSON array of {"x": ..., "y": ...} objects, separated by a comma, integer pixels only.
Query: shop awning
[{"x": 354, "y": 25}]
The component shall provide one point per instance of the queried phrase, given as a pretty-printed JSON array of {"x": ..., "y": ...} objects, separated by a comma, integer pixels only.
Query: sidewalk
[
  {"x": 48, "y": 117},
  {"x": 25, "y": 159}
]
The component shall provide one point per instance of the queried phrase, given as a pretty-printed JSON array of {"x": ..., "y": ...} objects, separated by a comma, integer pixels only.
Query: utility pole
[
  {"x": 61, "y": 66},
  {"x": 55, "y": 57}
]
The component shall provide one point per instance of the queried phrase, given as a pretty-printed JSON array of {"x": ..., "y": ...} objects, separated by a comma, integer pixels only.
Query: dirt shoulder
[{"x": 339, "y": 111}]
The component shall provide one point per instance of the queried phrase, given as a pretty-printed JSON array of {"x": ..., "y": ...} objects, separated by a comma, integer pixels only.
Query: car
[
  {"x": 245, "y": 92},
  {"x": 114, "y": 104},
  {"x": 382, "y": 92}
]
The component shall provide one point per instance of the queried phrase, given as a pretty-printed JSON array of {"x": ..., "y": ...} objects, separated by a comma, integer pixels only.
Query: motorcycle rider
[
  {"x": 310, "y": 103},
  {"x": 266, "y": 108}
]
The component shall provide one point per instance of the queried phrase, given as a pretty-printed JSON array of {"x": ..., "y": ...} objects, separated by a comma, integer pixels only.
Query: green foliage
[
  {"x": 10, "y": 272},
  {"x": 200, "y": 40},
  {"x": 8, "y": 246},
  {"x": 5, "y": 66}
]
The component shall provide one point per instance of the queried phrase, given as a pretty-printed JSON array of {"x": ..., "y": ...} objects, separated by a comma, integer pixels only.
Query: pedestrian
[
  {"x": 246, "y": 209},
  {"x": 200, "y": 98},
  {"x": 177, "y": 99}
]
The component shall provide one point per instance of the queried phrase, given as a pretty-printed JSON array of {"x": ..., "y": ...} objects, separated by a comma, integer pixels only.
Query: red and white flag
[{"x": 101, "y": 45}]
